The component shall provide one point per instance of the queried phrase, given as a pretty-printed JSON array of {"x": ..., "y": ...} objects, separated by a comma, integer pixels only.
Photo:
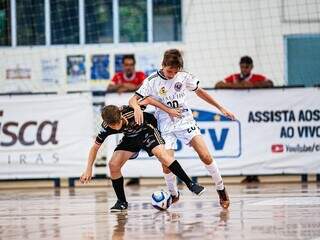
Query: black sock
[
  {"x": 117, "y": 185},
  {"x": 177, "y": 170}
]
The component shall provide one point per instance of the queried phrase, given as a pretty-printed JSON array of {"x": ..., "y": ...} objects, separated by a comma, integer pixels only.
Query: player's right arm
[
  {"x": 138, "y": 114},
  {"x": 143, "y": 92},
  {"x": 104, "y": 132},
  {"x": 87, "y": 175}
]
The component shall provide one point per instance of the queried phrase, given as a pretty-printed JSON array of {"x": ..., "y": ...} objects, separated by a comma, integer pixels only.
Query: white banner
[
  {"x": 44, "y": 136},
  {"x": 277, "y": 131}
]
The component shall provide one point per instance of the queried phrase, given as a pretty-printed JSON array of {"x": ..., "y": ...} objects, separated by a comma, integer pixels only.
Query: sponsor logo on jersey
[
  {"x": 163, "y": 91},
  {"x": 178, "y": 86}
]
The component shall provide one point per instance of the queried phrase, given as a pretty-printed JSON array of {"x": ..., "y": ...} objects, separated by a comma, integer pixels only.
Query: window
[
  {"x": 64, "y": 21},
  {"x": 133, "y": 20},
  {"x": 166, "y": 20},
  {"x": 5, "y": 27},
  {"x": 30, "y": 22},
  {"x": 303, "y": 59},
  {"x": 99, "y": 24},
  {"x": 98, "y": 21}
]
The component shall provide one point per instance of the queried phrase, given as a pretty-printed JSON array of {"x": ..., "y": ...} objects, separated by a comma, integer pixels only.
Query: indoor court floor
[{"x": 265, "y": 211}]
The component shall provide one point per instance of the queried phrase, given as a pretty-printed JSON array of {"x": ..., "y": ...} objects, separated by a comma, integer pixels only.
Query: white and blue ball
[{"x": 161, "y": 200}]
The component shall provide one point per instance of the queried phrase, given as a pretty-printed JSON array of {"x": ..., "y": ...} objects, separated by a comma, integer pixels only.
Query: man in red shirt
[
  {"x": 245, "y": 79},
  {"x": 128, "y": 80}
]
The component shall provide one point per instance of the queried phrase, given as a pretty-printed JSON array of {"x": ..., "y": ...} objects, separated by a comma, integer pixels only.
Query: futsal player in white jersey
[{"x": 165, "y": 89}]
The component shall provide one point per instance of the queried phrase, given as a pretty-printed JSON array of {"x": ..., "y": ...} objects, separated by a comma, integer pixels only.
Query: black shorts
[{"x": 146, "y": 140}]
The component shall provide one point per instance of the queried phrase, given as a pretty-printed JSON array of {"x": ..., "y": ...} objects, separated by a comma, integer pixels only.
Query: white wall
[
  {"x": 32, "y": 56},
  {"x": 216, "y": 34}
]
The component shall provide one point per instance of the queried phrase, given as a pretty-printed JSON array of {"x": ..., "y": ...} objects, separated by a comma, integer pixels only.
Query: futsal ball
[{"x": 161, "y": 200}]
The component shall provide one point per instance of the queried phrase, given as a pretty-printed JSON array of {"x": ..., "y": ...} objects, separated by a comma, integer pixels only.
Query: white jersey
[{"x": 173, "y": 93}]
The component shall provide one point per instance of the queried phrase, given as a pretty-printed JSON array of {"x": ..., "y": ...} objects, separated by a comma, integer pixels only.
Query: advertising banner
[
  {"x": 44, "y": 136},
  {"x": 276, "y": 131}
]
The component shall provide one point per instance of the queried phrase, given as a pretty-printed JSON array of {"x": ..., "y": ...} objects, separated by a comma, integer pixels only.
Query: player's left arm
[{"x": 207, "y": 98}]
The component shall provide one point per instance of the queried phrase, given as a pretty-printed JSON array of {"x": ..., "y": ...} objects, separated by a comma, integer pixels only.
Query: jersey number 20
[{"x": 173, "y": 104}]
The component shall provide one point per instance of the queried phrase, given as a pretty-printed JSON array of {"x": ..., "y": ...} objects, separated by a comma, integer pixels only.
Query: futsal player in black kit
[{"x": 136, "y": 137}]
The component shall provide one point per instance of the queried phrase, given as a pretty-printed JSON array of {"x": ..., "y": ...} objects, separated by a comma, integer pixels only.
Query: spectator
[
  {"x": 128, "y": 80},
  {"x": 245, "y": 79}
]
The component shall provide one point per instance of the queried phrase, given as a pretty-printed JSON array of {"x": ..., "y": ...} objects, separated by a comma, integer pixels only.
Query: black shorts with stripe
[{"x": 147, "y": 139}]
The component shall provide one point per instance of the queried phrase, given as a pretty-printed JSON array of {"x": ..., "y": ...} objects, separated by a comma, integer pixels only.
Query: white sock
[
  {"x": 215, "y": 174},
  {"x": 171, "y": 182}
]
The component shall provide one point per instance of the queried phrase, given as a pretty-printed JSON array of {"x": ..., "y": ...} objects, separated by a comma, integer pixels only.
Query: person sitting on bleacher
[
  {"x": 245, "y": 79},
  {"x": 128, "y": 80}
]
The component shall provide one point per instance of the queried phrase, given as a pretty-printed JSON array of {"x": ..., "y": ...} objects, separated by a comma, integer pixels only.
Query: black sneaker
[
  {"x": 224, "y": 198},
  {"x": 196, "y": 188},
  {"x": 119, "y": 206}
]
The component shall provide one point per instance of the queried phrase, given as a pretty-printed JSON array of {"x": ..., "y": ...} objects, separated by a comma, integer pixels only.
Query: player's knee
[
  {"x": 206, "y": 158},
  {"x": 162, "y": 156},
  {"x": 114, "y": 166}
]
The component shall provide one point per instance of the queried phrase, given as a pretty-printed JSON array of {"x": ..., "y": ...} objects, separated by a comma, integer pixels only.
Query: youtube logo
[{"x": 277, "y": 148}]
